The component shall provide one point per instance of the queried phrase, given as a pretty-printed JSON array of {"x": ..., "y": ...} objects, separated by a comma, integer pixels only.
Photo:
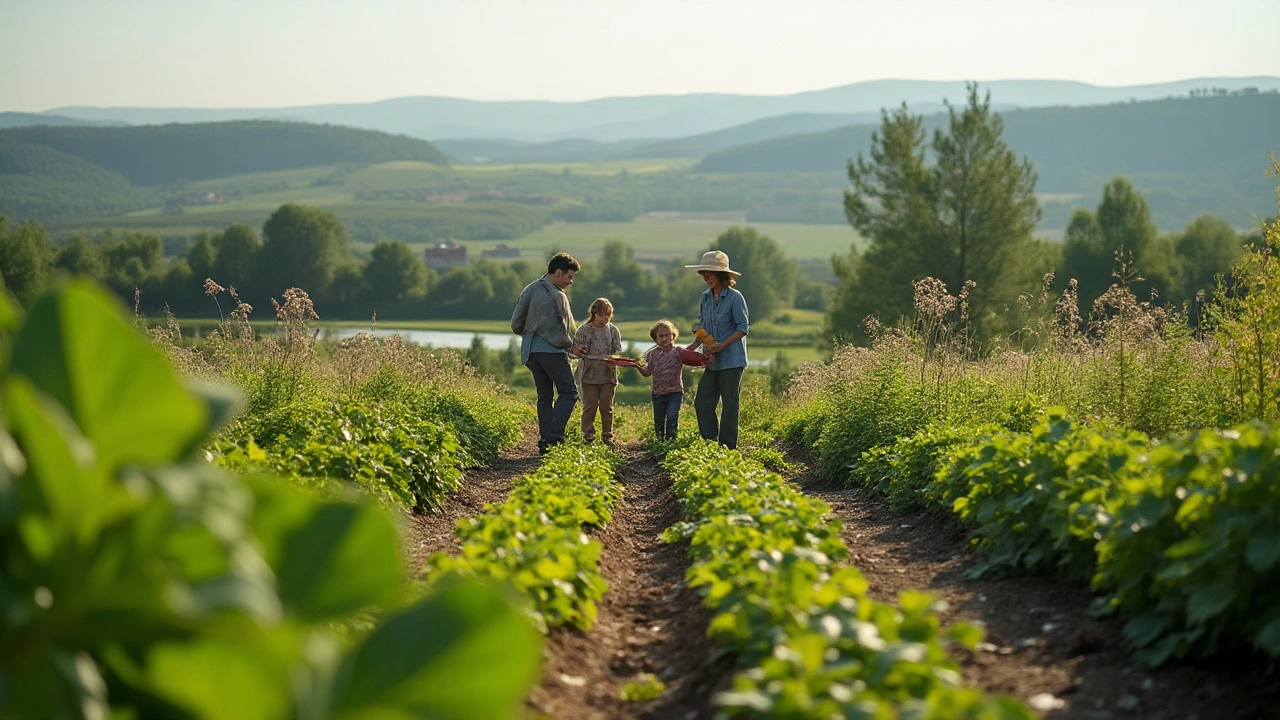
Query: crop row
[
  {"x": 1182, "y": 536},
  {"x": 407, "y": 451},
  {"x": 811, "y": 643},
  {"x": 535, "y": 540}
]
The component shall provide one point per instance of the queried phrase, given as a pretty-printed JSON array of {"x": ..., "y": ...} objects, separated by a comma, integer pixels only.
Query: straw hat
[{"x": 715, "y": 261}]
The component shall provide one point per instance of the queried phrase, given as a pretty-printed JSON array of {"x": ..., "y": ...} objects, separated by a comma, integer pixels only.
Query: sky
[{"x": 280, "y": 53}]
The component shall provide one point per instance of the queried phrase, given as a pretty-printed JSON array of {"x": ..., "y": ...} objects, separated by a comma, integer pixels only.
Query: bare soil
[
  {"x": 1042, "y": 644},
  {"x": 650, "y": 621}
]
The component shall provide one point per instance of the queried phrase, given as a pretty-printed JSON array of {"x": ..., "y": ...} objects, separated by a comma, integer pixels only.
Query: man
[{"x": 545, "y": 325}]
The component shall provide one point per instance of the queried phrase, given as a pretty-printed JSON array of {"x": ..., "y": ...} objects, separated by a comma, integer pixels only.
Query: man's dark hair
[{"x": 562, "y": 261}]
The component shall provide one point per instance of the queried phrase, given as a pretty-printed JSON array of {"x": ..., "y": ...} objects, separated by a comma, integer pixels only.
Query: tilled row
[
  {"x": 810, "y": 642},
  {"x": 536, "y": 542}
]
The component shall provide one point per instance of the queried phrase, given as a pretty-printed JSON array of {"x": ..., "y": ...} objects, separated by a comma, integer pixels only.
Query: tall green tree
[
  {"x": 201, "y": 256},
  {"x": 1208, "y": 247},
  {"x": 1087, "y": 257},
  {"x": 302, "y": 247},
  {"x": 133, "y": 263},
  {"x": 958, "y": 220},
  {"x": 393, "y": 272},
  {"x": 1121, "y": 224},
  {"x": 618, "y": 276},
  {"x": 985, "y": 201},
  {"x": 236, "y": 252},
  {"x": 26, "y": 259},
  {"x": 79, "y": 258},
  {"x": 769, "y": 278}
]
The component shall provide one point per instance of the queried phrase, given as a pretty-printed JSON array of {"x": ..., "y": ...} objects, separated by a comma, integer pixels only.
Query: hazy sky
[{"x": 266, "y": 53}]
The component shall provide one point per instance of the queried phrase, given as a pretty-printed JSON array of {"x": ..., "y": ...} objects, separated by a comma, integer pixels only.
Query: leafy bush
[
  {"x": 139, "y": 581},
  {"x": 402, "y": 458},
  {"x": 535, "y": 540},
  {"x": 1038, "y": 501},
  {"x": 812, "y": 642},
  {"x": 905, "y": 471},
  {"x": 1194, "y": 555}
]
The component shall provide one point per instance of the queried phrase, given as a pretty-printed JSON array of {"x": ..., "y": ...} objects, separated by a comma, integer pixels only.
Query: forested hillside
[
  {"x": 1212, "y": 149},
  {"x": 38, "y": 181},
  {"x": 158, "y": 155}
]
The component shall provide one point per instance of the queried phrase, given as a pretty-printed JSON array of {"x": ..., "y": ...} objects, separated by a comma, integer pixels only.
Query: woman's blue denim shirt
[{"x": 723, "y": 318}]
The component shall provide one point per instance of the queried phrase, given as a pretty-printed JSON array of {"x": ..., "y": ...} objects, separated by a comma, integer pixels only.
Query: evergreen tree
[{"x": 966, "y": 218}]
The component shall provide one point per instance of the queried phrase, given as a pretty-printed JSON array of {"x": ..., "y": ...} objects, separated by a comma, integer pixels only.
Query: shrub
[{"x": 1194, "y": 555}]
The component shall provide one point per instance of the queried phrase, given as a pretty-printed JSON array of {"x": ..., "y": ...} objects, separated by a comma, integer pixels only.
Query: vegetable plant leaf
[
  {"x": 463, "y": 654},
  {"x": 124, "y": 395}
]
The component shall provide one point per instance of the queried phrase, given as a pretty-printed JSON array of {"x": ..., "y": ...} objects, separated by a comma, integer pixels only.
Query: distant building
[
  {"x": 502, "y": 250},
  {"x": 202, "y": 198},
  {"x": 445, "y": 256}
]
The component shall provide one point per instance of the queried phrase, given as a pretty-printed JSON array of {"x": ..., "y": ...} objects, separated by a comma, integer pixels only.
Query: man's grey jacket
[{"x": 543, "y": 310}]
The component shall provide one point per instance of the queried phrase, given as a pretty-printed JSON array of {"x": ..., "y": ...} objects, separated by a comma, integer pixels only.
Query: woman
[{"x": 722, "y": 314}]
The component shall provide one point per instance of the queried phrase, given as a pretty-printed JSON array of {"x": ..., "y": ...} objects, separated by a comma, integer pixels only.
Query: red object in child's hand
[
  {"x": 693, "y": 358},
  {"x": 624, "y": 362}
]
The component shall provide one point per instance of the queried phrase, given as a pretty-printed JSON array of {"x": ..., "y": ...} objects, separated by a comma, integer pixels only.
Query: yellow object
[{"x": 704, "y": 336}]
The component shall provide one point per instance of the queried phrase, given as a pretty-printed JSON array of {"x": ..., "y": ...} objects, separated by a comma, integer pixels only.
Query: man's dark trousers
[{"x": 551, "y": 372}]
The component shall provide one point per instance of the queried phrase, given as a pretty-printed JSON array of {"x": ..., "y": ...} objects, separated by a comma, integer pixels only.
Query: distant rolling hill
[
  {"x": 656, "y": 116},
  {"x": 754, "y": 131},
  {"x": 504, "y": 151},
  {"x": 38, "y": 181},
  {"x": 21, "y": 119},
  {"x": 67, "y": 172},
  {"x": 1206, "y": 152},
  {"x": 161, "y": 154}
]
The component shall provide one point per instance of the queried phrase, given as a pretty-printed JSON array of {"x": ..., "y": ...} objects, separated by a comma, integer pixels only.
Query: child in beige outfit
[{"x": 596, "y": 340}]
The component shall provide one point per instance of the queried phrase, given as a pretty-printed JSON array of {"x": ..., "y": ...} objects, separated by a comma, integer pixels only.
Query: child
[
  {"x": 596, "y": 340},
  {"x": 663, "y": 363}
]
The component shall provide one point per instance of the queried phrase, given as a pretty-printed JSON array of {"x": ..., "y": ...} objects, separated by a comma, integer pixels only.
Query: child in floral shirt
[{"x": 663, "y": 364}]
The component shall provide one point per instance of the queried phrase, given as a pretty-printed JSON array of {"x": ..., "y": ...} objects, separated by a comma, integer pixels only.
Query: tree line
[
  {"x": 309, "y": 248},
  {"x": 961, "y": 207}
]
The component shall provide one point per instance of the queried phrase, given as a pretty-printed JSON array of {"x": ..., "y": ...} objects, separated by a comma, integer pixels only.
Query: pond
[{"x": 434, "y": 338}]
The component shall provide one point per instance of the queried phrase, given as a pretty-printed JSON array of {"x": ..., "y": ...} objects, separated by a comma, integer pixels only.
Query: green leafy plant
[
  {"x": 1194, "y": 555},
  {"x": 404, "y": 459},
  {"x": 535, "y": 539},
  {"x": 809, "y": 640},
  {"x": 644, "y": 688},
  {"x": 1039, "y": 501},
  {"x": 137, "y": 580}
]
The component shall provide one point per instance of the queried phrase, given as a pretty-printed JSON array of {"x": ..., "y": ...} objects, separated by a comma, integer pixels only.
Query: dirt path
[
  {"x": 1042, "y": 645},
  {"x": 649, "y": 620},
  {"x": 429, "y": 533}
]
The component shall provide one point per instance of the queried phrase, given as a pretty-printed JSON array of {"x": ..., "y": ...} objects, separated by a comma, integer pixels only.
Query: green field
[
  {"x": 675, "y": 235},
  {"x": 388, "y": 195}
]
